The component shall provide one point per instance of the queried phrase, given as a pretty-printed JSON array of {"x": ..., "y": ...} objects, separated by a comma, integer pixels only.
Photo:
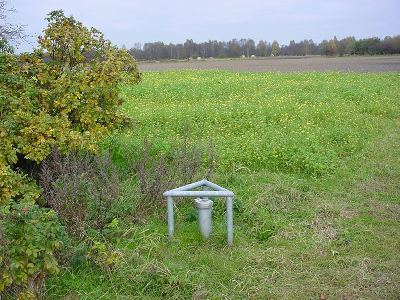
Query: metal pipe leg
[
  {"x": 170, "y": 216},
  {"x": 229, "y": 219}
]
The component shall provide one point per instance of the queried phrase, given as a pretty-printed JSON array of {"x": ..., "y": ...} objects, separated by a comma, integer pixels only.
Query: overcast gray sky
[{"x": 127, "y": 22}]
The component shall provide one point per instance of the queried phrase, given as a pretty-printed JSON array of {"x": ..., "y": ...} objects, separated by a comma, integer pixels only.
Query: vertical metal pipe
[
  {"x": 229, "y": 219},
  {"x": 204, "y": 207},
  {"x": 170, "y": 216}
]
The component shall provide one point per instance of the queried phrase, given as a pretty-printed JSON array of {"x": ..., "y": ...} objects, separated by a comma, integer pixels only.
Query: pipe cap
[{"x": 203, "y": 203}]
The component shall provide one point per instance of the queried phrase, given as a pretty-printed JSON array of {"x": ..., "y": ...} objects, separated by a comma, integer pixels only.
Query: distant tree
[
  {"x": 390, "y": 45},
  {"x": 332, "y": 48},
  {"x": 314, "y": 48},
  {"x": 210, "y": 48},
  {"x": 328, "y": 48},
  {"x": 247, "y": 47},
  {"x": 190, "y": 48},
  {"x": 222, "y": 49},
  {"x": 346, "y": 46},
  {"x": 262, "y": 48},
  {"x": 203, "y": 47},
  {"x": 234, "y": 49},
  {"x": 396, "y": 44},
  {"x": 171, "y": 51},
  {"x": 275, "y": 49},
  {"x": 386, "y": 46},
  {"x": 242, "y": 44},
  {"x": 305, "y": 47},
  {"x": 250, "y": 47},
  {"x": 156, "y": 50},
  {"x": 368, "y": 46},
  {"x": 291, "y": 49},
  {"x": 180, "y": 51},
  {"x": 336, "y": 42},
  {"x": 323, "y": 46}
]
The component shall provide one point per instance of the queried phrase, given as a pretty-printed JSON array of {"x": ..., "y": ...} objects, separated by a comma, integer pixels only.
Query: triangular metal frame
[{"x": 187, "y": 190}]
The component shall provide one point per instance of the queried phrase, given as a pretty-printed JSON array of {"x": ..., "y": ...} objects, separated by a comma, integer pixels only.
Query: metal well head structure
[{"x": 210, "y": 190}]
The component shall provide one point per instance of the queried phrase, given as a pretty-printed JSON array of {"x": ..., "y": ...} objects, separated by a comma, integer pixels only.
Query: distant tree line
[{"x": 248, "y": 47}]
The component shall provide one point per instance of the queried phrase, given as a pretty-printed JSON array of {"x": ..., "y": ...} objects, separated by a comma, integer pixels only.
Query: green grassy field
[{"x": 314, "y": 161}]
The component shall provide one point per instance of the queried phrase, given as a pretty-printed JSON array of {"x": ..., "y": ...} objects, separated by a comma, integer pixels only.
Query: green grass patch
[{"x": 313, "y": 159}]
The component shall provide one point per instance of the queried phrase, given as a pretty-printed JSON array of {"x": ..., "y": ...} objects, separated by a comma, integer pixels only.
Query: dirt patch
[
  {"x": 324, "y": 228},
  {"x": 284, "y": 64},
  {"x": 347, "y": 213},
  {"x": 323, "y": 223},
  {"x": 371, "y": 186}
]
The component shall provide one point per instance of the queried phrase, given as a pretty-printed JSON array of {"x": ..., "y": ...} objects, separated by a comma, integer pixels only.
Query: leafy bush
[
  {"x": 29, "y": 238},
  {"x": 16, "y": 186},
  {"x": 65, "y": 96},
  {"x": 102, "y": 251}
]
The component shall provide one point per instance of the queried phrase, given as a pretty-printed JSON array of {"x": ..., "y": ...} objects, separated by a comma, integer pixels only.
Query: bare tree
[{"x": 10, "y": 33}]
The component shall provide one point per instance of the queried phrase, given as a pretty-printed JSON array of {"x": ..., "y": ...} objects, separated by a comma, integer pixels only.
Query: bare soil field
[{"x": 284, "y": 64}]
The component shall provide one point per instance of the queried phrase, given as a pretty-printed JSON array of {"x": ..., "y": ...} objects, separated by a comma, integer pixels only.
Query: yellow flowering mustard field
[{"x": 307, "y": 123}]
